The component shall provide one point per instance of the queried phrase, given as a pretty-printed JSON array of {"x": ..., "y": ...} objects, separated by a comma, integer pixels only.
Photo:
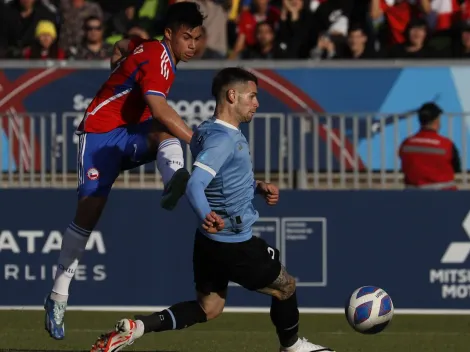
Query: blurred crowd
[{"x": 243, "y": 29}]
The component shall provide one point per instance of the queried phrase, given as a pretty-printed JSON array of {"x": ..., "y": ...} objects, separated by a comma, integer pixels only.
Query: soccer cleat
[
  {"x": 54, "y": 318},
  {"x": 122, "y": 336},
  {"x": 302, "y": 345},
  {"x": 175, "y": 189}
]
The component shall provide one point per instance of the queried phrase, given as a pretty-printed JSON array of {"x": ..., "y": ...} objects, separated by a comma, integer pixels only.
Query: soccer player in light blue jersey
[{"x": 220, "y": 191}]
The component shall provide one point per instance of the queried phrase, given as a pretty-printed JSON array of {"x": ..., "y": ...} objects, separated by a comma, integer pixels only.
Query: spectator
[
  {"x": 21, "y": 28},
  {"x": 461, "y": 49},
  {"x": 357, "y": 45},
  {"x": 74, "y": 14},
  {"x": 325, "y": 21},
  {"x": 429, "y": 160},
  {"x": 216, "y": 24},
  {"x": 291, "y": 33},
  {"x": 203, "y": 52},
  {"x": 7, "y": 35},
  {"x": 45, "y": 46},
  {"x": 266, "y": 46},
  {"x": 416, "y": 44},
  {"x": 117, "y": 15},
  {"x": 260, "y": 11},
  {"x": 93, "y": 46},
  {"x": 394, "y": 16},
  {"x": 325, "y": 48}
]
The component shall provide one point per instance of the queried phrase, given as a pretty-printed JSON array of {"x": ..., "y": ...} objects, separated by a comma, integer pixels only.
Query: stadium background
[{"x": 327, "y": 132}]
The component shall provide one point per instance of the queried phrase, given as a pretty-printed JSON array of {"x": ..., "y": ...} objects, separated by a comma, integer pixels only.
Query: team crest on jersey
[{"x": 93, "y": 174}]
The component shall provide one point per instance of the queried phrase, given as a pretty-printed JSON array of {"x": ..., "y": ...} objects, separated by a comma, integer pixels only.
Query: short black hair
[
  {"x": 186, "y": 13},
  {"x": 356, "y": 27},
  {"x": 230, "y": 75},
  {"x": 428, "y": 112},
  {"x": 92, "y": 18}
]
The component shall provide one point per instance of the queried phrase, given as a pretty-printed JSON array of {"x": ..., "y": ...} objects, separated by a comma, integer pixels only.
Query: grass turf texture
[{"x": 23, "y": 331}]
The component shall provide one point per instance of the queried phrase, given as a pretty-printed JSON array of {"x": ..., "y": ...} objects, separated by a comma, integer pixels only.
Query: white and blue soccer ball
[{"x": 369, "y": 310}]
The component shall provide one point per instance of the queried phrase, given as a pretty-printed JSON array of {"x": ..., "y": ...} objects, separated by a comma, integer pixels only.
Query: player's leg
[
  {"x": 98, "y": 166},
  {"x": 207, "y": 306},
  {"x": 170, "y": 164},
  {"x": 262, "y": 271},
  {"x": 177, "y": 317},
  {"x": 211, "y": 288},
  {"x": 151, "y": 141},
  {"x": 211, "y": 282}
]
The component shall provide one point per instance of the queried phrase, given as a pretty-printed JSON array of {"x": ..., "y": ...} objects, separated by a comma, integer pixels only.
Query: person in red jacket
[{"x": 429, "y": 160}]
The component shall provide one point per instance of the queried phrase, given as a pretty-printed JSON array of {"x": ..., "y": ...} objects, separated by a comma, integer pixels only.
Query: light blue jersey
[{"x": 222, "y": 152}]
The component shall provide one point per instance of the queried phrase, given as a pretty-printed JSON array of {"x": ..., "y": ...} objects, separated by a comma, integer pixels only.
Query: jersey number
[{"x": 272, "y": 252}]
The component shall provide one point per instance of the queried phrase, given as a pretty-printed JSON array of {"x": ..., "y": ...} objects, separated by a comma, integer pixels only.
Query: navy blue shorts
[{"x": 102, "y": 156}]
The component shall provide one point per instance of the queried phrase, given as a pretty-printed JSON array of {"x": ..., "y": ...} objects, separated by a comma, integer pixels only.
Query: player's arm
[
  {"x": 154, "y": 82},
  {"x": 120, "y": 51},
  {"x": 217, "y": 150},
  {"x": 167, "y": 116}
]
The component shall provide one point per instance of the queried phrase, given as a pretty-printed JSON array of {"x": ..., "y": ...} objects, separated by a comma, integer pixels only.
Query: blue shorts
[{"x": 102, "y": 156}]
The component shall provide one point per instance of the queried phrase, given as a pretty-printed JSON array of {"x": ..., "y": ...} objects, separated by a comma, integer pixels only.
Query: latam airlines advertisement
[
  {"x": 408, "y": 243},
  {"x": 375, "y": 103}
]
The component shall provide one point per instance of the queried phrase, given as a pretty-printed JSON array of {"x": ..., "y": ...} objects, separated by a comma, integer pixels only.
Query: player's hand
[
  {"x": 213, "y": 223},
  {"x": 269, "y": 191}
]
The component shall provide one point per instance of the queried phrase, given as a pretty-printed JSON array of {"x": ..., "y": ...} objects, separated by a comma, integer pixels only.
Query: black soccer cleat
[{"x": 175, "y": 189}]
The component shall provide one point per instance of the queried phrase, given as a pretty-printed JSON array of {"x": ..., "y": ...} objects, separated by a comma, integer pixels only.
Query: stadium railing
[{"x": 296, "y": 151}]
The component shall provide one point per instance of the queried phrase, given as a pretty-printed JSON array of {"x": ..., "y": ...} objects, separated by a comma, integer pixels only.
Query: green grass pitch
[{"x": 235, "y": 332}]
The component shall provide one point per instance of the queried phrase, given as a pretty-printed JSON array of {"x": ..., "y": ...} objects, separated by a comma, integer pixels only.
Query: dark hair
[
  {"x": 428, "y": 112},
  {"x": 184, "y": 13},
  {"x": 356, "y": 27},
  {"x": 264, "y": 23},
  {"x": 92, "y": 18},
  {"x": 228, "y": 76}
]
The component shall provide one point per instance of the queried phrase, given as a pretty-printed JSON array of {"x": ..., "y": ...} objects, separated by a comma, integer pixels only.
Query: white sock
[
  {"x": 139, "y": 330},
  {"x": 169, "y": 158},
  {"x": 73, "y": 246}
]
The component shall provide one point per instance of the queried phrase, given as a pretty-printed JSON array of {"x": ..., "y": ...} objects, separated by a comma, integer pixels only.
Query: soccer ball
[{"x": 369, "y": 310}]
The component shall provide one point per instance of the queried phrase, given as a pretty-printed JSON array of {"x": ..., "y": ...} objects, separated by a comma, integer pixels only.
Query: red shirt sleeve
[{"x": 156, "y": 72}]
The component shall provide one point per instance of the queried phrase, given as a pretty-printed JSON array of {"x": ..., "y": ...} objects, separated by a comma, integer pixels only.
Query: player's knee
[
  {"x": 88, "y": 212},
  {"x": 288, "y": 289},
  {"x": 212, "y": 307},
  {"x": 213, "y": 312}
]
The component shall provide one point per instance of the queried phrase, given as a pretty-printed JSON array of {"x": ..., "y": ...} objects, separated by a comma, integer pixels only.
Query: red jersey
[
  {"x": 147, "y": 70},
  {"x": 429, "y": 160}
]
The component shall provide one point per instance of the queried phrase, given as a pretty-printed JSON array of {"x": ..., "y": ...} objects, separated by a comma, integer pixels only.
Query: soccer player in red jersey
[{"x": 129, "y": 123}]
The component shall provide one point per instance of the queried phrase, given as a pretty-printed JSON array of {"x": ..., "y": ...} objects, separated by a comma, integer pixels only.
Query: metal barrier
[
  {"x": 304, "y": 151},
  {"x": 40, "y": 150},
  {"x": 359, "y": 151}
]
